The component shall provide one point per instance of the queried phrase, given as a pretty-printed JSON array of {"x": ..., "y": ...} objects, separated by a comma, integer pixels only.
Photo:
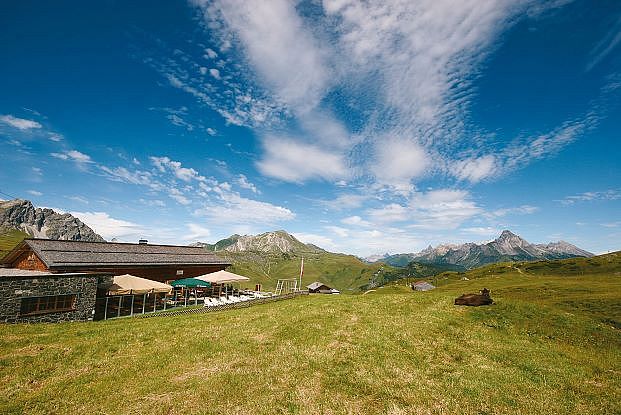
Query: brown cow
[{"x": 475, "y": 300}]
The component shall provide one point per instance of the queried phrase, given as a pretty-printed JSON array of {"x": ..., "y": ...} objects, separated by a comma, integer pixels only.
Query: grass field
[{"x": 550, "y": 345}]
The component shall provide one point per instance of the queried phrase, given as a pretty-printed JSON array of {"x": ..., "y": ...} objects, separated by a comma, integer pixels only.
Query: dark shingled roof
[{"x": 55, "y": 253}]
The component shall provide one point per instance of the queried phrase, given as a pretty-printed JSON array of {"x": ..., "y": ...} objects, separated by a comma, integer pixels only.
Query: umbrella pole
[
  {"x": 106, "y": 309},
  {"x": 132, "y": 312},
  {"x": 154, "y": 301},
  {"x": 144, "y": 302},
  {"x": 118, "y": 314},
  {"x": 185, "y": 297},
  {"x": 165, "y": 301}
]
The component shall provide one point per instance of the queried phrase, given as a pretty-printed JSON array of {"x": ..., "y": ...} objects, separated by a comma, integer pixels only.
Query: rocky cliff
[{"x": 44, "y": 223}]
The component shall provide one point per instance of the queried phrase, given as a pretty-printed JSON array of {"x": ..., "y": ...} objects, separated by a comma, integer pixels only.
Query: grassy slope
[
  {"x": 9, "y": 239},
  {"x": 608, "y": 264},
  {"x": 549, "y": 345},
  {"x": 344, "y": 272}
]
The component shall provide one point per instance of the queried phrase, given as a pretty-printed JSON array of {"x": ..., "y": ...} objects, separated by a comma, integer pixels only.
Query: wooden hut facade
[{"x": 156, "y": 262}]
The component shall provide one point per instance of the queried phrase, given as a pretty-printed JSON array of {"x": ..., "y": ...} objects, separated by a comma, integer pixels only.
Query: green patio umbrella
[{"x": 190, "y": 283}]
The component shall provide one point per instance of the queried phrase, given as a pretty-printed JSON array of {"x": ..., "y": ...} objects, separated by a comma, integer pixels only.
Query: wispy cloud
[
  {"x": 520, "y": 210},
  {"x": 109, "y": 227},
  {"x": 197, "y": 232},
  {"x": 73, "y": 155},
  {"x": 605, "y": 46},
  {"x": 19, "y": 123},
  {"x": 292, "y": 161},
  {"x": 611, "y": 194},
  {"x": 408, "y": 67}
]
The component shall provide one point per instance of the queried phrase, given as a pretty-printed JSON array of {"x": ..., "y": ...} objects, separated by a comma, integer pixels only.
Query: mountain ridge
[
  {"x": 507, "y": 247},
  {"x": 21, "y": 215},
  {"x": 279, "y": 241}
]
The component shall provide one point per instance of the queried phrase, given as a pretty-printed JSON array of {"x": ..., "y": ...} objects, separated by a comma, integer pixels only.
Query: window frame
[{"x": 72, "y": 297}]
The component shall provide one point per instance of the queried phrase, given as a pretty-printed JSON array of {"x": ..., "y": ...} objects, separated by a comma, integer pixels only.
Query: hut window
[{"x": 47, "y": 304}]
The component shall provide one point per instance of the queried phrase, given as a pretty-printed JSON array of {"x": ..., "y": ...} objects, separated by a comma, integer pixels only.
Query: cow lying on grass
[{"x": 475, "y": 300}]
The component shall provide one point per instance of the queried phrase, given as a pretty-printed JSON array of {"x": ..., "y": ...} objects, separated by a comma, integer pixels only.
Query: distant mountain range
[
  {"x": 507, "y": 247},
  {"x": 272, "y": 255},
  {"x": 21, "y": 215}
]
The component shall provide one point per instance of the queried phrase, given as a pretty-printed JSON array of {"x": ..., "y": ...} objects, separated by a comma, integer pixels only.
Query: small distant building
[
  {"x": 321, "y": 288},
  {"x": 41, "y": 296},
  {"x": 422, "y": 286}
]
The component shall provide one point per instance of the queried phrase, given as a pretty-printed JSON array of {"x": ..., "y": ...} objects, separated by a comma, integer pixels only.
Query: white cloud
[
  {"x": 232, "y": 208},
  {"x": 606, "y": 45},
  {"x": 210, "y": 53},
  {"x": 611, "y": 194},
  {"x": 197, "y": 232},
  {"x": 152, "y": 202},
  {"x": 399, "y": 161},
  {"x": 342, "y": 232},
  {"x": 292, "y": 161},
  {"x": 520, "y": 210},
  {"x": 73, "y": 155},
  {"x": 182, "y": 173},
  {"x": 35, "y": 192},
  {"x": 19, "y": 123},
  {"x": 211, "y": 131},
  {"x": 109, "y": 227},
  {"x": 318, "y": 240},
  {"x": 404, "y": 67},
  {"x": 475, "y": 169},
  {"x": 392, "y": 212},
  {"x": 243, "y": 182},
  {"x": 178, "y": 196},
  {"x": 215, "y": 73},
  {"x": 355, "y": 221},
  {"x": 345, "y": 201},
  {"x": 79, "y": 199},
  {"x": 284, "y": 53},
  {"x": 435, "y": 209}
]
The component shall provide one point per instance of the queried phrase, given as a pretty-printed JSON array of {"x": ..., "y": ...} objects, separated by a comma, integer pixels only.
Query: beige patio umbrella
[
  {"x": 221, "y": 277},
  {"x": 130, "y": 284}
]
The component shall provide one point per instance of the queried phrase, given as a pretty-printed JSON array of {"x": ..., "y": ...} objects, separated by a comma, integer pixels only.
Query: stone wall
[{"x": 13, "y": 289}]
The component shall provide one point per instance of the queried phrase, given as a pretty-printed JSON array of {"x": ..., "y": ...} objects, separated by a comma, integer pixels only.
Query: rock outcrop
[{"x": 44, "y": 223}]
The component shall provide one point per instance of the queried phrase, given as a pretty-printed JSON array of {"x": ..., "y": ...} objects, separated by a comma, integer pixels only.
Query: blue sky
[{"x": 362, "y": 128}]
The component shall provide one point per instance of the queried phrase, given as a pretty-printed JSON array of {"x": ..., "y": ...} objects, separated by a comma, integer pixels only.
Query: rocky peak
[{"x": 44, "y": 223}]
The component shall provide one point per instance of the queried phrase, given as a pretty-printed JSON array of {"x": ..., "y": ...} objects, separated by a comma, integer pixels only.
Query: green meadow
[{"x": 550, "y": 345}]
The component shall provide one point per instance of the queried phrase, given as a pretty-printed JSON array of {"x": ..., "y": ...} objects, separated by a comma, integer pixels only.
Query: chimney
[{"x": 142, "y": 242}]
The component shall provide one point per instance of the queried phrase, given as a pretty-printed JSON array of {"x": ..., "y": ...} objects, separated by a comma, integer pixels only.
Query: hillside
[
  {"x": 507, "y": 247},
  {"x": 606, "y": 264},
  {"x": 344, "y": 272},
  {"x": 270, "y": 256},
  {"x": 548, "y": 346}
]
